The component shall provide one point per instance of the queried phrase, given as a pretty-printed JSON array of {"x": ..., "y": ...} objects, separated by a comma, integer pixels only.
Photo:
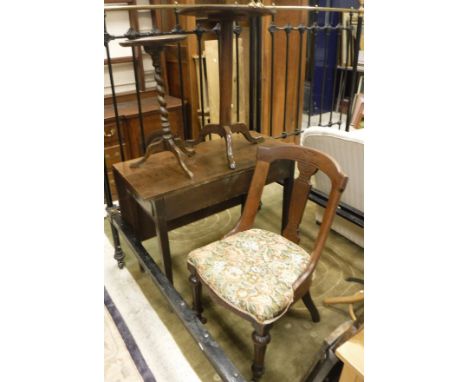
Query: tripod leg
[
  {"x": 229, "y": 153},
  {"x": 242, "y": 128},
  {"x": 181, "y": 145},
  {"x": 208, "y": 129},
  {"x": 178, "y": 154},
  {"x": 149, "y": 151}
]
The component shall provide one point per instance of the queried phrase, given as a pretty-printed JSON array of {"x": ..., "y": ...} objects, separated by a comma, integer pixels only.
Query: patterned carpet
[{"x": 295, "y": 338}]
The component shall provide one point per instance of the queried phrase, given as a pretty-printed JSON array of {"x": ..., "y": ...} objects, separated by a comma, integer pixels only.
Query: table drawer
[
  {"x": 205, "y": 195},
  {"x": 111, "y": 136}
]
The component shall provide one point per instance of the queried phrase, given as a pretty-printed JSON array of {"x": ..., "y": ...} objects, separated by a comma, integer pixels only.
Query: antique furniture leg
[
  {"x": 242, "y": 128},
  {"x": 154, "y": 46},
  {"x": 149, "y": 150},
  {"x": 159, "y": 213},
  {"x": 207, "y": 130},
  {"x": 111, "y": 210},
  {"x": 196, "y": 294},
  {"x": 178, "y": 154},
  {"x": 261, "y": 338},
  {"x": 229, "y": 153},
  {"x": 118, "y": 254},
  {"x": 309, "y": 303},
  {"x": 189, "y": 151}
]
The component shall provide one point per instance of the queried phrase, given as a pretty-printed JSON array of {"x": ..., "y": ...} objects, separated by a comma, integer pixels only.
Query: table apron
[{"x": 210, "y": 194}]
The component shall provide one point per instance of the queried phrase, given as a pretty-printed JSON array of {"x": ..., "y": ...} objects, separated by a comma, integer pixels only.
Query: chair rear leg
[
  {"x": 196, "y": 294},
  {"x": 307, "y": 299},
  {"x": 260, "y": 338}
]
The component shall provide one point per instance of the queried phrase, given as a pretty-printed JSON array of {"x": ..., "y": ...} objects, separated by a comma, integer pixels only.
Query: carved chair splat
[{"x": 225, "y": 267}]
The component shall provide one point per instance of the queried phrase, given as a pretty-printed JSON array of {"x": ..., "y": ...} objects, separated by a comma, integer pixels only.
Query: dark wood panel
[
  {"x": 281, "y": 19},
  {"x": 130, "y": 96},
  {"x": 112, "y": 155},
  {"x": 149, "y": 104},
  {"x": 236, "y": 183},
  {"x": 112, "y": 186},
  {"x": 119, "y": 60},
  {"x": 111, "y": 136},
  {"x": 132, "y": 213},
  {"x": 152, "y": 124}
]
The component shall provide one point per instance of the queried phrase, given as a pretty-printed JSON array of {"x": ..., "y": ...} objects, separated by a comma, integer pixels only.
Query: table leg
[
  {"x": 287, "y": 191},
  {"x": 159, "y": 215}
]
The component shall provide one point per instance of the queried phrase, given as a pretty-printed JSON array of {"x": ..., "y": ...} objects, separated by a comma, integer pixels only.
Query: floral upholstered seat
[{"x": 253, "y": 271}]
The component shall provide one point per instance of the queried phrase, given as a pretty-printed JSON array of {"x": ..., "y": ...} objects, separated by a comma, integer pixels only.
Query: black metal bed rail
[
  {"x": 223, "y": 366},
  {"x": 344, "y": 210}
]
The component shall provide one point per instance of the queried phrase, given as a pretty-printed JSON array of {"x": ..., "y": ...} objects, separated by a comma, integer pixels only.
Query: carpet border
[{"x": 128, "y": 339}]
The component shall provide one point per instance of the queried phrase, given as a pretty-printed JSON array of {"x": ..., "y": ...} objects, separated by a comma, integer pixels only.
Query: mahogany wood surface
[
  {"x": 161, "y": 176},
  {"x": 158, "y": 196},
  {"x": 129, "y": 108},
  {"x": 278, "y": 110}
]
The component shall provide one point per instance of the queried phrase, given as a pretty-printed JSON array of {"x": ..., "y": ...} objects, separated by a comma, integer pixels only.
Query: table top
[
  {"x": 352, "y": 352},
  {"x": 161, "y": 174}
]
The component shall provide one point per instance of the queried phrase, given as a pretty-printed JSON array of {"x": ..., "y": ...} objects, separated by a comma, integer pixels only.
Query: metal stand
[
  {"x": 111, "y": 209},
  {"x": 226, "y": 15},
  {"x": 154, "y": 46}
]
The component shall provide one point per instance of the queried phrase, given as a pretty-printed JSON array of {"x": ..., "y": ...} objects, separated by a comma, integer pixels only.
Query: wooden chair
[{"x": 259, "y": 274}]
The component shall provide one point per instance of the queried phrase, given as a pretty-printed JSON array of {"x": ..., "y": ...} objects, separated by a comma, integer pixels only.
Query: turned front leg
[
  {"x": 261, "y": 338},
  {"x": 118, "y": 253},
  {"x": 196, "y": 294}
]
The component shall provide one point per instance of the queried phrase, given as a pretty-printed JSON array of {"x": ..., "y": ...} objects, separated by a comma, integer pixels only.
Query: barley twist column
[{"x": 164, "y": 114}]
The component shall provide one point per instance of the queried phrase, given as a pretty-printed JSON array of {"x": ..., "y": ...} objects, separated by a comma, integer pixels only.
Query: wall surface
[{"x": 117, "y": 24}]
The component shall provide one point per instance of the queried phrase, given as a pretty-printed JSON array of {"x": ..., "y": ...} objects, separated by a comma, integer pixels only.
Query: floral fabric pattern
[{"x": 252, "y": 270}]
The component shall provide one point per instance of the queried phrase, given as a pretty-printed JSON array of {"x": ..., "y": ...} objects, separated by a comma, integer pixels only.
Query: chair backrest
[{"x": 309, "y": 161}]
